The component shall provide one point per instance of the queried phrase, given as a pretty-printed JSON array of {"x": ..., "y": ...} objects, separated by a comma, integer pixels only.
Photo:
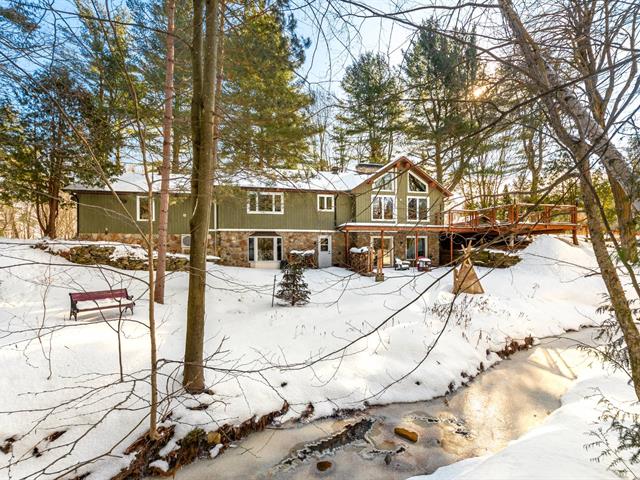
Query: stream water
[{"x": 496, "y": 407}]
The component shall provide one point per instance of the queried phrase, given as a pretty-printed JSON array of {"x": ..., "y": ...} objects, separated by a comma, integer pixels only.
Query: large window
[
  {"x": 383, "y": 207},
  {"x": 411, "y": 247},
  {"x": 142, "y": 209},
  {"x": 416, "y": 185},
  {"x": 417, "y": 208},
  {"x": 265, "y": 249},
  {"x": 265, "y": 202},
  {"x": 385, "y": 183},
  {"x": 325, "y": 203}
]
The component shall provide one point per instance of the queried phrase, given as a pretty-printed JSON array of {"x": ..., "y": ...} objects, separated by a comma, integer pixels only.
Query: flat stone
[
  {"x": 406, "y": 434},
  {"x": 214, "y": 438},
  {"x": 324, "y": 465}
]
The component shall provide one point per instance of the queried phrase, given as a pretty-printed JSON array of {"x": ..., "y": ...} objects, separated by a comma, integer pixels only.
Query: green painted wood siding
[
  {"x": 101, "y": 212},
  {"x": 365, "y": 194},
  {"x": 300, "y": 213}
]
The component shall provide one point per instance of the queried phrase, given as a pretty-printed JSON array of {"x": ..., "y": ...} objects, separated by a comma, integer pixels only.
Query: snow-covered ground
[
  {"x": 260, "y": 355},
  {"x": 556, "y": 449}
]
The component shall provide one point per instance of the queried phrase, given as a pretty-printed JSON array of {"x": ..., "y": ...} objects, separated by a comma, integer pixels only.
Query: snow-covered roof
[
  {"x": 285, "y": 179},
  {"x": 135, "y": 182},
  {"x": 305, "y": 179}
]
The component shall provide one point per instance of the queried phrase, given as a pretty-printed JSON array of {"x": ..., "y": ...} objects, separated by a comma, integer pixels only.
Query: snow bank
[
  {"x": 555, "y": 449},
  {"x": 303, "y": 253},
  {"x": 359, "y": 249},
  {"x": 550, "y": 291}
]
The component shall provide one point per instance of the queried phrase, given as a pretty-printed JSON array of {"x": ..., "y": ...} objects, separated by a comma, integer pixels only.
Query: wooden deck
[
  {"x": 515, "y": 219},
  {"x": 505, "y": 221}
]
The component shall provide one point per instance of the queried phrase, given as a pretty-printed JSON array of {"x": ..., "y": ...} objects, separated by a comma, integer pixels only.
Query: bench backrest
[{"x": 99, "y": 295}]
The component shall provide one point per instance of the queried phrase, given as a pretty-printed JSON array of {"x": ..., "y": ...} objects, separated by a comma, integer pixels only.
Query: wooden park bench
[{"x": 121, "y": 296}]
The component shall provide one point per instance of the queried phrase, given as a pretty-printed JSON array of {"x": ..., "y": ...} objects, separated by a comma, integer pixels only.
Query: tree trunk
[
  {"x": 165, "y": 171},
  {"x": 54, "y": 207},
  {"x": 607, "y": 268},
  {"x": 205, "y": 56},
  {"x": 548, "y": 83},
  {"x": 626, "y": 223},
  {"x": 438, "y": 162}
]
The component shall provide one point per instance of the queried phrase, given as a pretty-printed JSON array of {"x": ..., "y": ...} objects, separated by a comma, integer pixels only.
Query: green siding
[
  {"x": 364, "y": 195},
  {"x": 300, "y": 213},
  {"x": 101, "y": 212}
]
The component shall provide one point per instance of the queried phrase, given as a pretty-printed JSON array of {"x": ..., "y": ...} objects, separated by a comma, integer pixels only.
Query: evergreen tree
[
  {"x": 45, "y": 145},
  {"x": 441, "y": 76},
  {"x": 371, "y": 114},
  {"x": 150, "y": 45},
  {"x": 263, "y": 108},
  {"x": 292, "y": 288},
  {"x": 100, "y": 66}
]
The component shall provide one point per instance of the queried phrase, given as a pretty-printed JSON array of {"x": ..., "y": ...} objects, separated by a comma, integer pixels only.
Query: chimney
[{"x": 368, "y": 168}]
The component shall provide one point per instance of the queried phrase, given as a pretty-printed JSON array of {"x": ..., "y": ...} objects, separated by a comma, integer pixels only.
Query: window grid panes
[
  {"x": 265, "y": 249},
  {"x": 383, "y": 208},
  {"x": 416, "y": 185},
  {"x": 417, "y": 208},
  {"x": 265, "y": 202},
  {"x": 325, "y": 203},
  {"x": 385, "y": 183}
]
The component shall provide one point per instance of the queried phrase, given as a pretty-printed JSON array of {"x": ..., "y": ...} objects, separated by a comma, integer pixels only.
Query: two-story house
[{"x": 258, "y": 220}]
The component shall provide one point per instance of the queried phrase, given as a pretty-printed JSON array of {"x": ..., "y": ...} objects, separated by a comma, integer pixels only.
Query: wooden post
[
  {"x": 273, "y": 293},
  {"x": 382, "y": 240},
  {"x": 415, "y": 249},
  {"x": 379, "y": 271},
  {"x": 451, "y": 248},
  {"x": 346, "y": 248}
]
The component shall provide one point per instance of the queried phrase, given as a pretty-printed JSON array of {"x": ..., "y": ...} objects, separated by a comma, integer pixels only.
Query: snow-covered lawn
[{"x": 48, "y": 360}]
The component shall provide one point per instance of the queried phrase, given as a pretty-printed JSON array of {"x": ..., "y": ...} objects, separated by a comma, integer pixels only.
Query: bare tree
[
  {"x": 165, "y": 171},
  {"x": 567, "y": 115}
]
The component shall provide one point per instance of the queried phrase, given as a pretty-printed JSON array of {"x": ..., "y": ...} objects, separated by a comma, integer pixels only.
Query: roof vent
[
  {"x": 368, "y": 167},
  {"x": 335, "y": 169}
]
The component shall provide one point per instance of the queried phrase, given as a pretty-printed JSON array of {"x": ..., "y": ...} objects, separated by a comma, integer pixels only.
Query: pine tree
[
  {"x": 292, "y": 288},
  {"x": 441, "y": 76},
  {"x": 371, "y": 114},
  {"x": 264, "y": 118},
  {"x": 46, "y": 147}
]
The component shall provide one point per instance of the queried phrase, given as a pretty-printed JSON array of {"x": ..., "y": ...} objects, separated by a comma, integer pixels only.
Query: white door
[{"x": 324, "y": 251}]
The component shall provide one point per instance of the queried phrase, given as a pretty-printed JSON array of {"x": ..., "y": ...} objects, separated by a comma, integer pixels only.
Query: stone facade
[
  {"x": 174, "y": 242},
  {"x": 233, "y": 246},
  {"x": 363, "y": 239}
]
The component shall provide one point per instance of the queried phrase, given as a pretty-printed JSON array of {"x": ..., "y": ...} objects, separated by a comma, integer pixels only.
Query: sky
[{"x": 344, "y": 38}]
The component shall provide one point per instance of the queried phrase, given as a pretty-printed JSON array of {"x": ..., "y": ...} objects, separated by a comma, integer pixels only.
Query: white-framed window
[
  {"x": 383, "y": 207},
  {"x": 411, "y": 247},
  {"x": 326, "y": 203},
  {"x": 142, "y": 209},
  {"x": 385, "y": 182},
  {"x": 417, "y": 208},
  {"x": 265, "y": 249},
  {"x": 416, "y": 185},
  {"x": 265, "y": 202}
]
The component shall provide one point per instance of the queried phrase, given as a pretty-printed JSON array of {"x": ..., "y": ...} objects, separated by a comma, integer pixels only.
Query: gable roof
[
  {"x": 272, "y": 178},
  {"x": 405, "y": 162}
]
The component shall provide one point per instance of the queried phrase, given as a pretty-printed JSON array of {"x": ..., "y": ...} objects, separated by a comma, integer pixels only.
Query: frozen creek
[{"x": 496, "y": 407}]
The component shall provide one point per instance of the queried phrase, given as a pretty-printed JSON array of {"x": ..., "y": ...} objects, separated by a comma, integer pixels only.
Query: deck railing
[{"x": 514, "y": 214}]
